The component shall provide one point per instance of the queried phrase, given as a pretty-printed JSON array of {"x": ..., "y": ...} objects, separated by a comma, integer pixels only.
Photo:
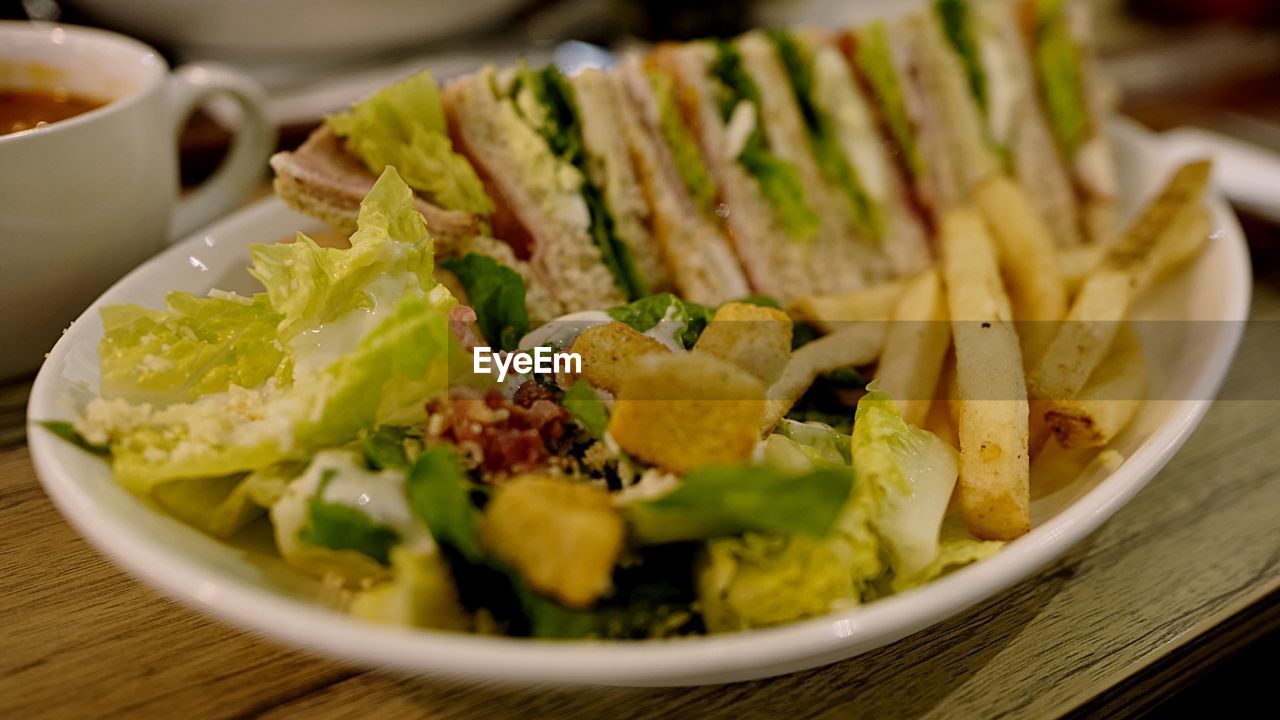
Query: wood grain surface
[{"x": 1150, "y": 591}]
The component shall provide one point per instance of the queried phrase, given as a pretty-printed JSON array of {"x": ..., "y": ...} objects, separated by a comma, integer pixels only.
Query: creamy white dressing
[
  {"x": 319, "y": 347},
  {"x": 562, "y": 331},
  {"x": 668, "y": 330},
  {"x": 378, "y": 494},
  {"x": 858, "y": 135}
]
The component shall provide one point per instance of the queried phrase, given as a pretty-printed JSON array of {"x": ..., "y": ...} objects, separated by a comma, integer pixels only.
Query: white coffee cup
[{"x": 84, "y": 200}]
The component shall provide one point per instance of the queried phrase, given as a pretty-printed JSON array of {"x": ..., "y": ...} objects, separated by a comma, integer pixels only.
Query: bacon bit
[{"x": 498, "y": 435}]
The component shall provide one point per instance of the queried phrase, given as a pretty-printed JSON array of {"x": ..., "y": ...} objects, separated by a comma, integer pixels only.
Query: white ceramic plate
[{"x": 1189, "y": 362}]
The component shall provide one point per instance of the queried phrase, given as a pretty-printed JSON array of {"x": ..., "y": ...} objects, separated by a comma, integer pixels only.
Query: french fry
[
  {"x": 915, "y": 346},
  {"x": 853, "y": 345},
  {"x": 1077, "y": 262},
  {"x": 1028, "y": 259},
  {"x": 875, "y": 303},
  {"x": 1187, "y": 237},
  {"x": 1153, "y": 243},
  {"x": 1028, "y": 255},
  {"x": 1108, "y": 402},
  {"x": 994, "y": 490}
]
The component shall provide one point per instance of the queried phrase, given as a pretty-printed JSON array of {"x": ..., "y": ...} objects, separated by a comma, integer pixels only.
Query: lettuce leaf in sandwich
[
  {"x": 778, "y": 179},
  {"x": 403, "y": 126},
  {"x": 1058, "y": 67},
  {"x": 824, "y": 136},
  {"x": 873, "y": 58},
  {"x": 551, "y": 110}
]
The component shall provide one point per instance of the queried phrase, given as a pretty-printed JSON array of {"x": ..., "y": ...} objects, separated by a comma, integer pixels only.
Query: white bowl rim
[{"x": 696, "y": 660}]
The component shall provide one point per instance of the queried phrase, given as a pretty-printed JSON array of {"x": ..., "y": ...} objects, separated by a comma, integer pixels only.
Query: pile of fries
[{"x": 1016, "y": 351}]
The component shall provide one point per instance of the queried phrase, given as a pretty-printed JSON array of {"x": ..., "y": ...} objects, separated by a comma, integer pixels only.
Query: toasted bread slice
[
  {"x": 694, "y": 249},
  {"x": 775, "y": 264},
  {"x": 547, "y": 223},
  {"x": 861, "y": 138},
  {"x": 603, "y": 114},
  {"x": 322, "y": 179}
]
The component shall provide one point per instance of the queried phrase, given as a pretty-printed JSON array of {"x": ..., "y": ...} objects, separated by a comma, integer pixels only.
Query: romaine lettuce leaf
[
  {"x": 824, "y": 137},
  {"x": 420, "y": 593},
  {"x": 586, "y": 408},
  {"x": 717, "y": 502},
  {"x": 1058, "y": 64},
  {"x": 688, "y": 159},
  {"x": 956, "y": 547},
  {"x": 913, "y": 472},
  {"x": 338, "y": 526},
  {"x": 645, "y": 314},
  {"x": 497, "y": 294},
  {"x": 403, "y": 126},
  {"x": 957, "y": 27},
  {"x": 437, "y": 492},
  {"x": 364, "y": 330},
  {"x": 874, "y": 60},
  {"x": 193, "y": 347},
  {"x": 310, "y": 285},
  {"x": 778, "y": 179}
]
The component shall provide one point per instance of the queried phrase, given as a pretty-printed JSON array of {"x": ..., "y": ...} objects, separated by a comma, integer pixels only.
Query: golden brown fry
[
  {"x": 994, "y": 490},
  {"x": 1153, "y": 243},
  {"x": 1028, "y": 255},
  {"x": 1077, "y": 262},
  {"x": 684, "y": 411},
  {"x": 1186, "y": 238},
  {"x": 756, "y": 339},
  {"x": 915, "y": 346},
  {"x": 1108, "y": 402},
  {"x": 828, "y": 312},
  {"x": 608, "y": 350},
  {"x": 1028, "y": 259},
  {"x": 854, "y": 345}
]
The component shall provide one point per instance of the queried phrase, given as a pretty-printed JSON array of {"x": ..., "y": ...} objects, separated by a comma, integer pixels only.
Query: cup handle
[{"x": 243, "y": 168}]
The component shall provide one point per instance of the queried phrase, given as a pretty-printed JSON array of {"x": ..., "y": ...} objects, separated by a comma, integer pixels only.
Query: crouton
[
  {"x": 563, "y": 537},
  {"x": 682, "y": 412},
  {"x": 756, "y": 339},
  {"x": 607, "y": 351}
]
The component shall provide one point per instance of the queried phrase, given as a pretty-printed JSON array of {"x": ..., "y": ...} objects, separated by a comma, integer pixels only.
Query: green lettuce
[
  {"x": 403, "y": 126},
  {"x": 364, "y": 330},
  {"x": 390, "y": 254},
  {"x": 437, "y": 491},
  {"x": 1058, "y": 65},
  {"x": 717, "y": 502},
  {"x": 688, "y": 159},
  {"x": 193, "y": 347},
  {"x": 957, "y": 27},
  {"x": 497, "y": 294},
  {"x": 342, "y": 527},
  {"x": 560, "y": 127},
  {"x": 586, "y": 408},
  {"x": 645, "y": 314},
  {"x": 874, "y": 59},
  {"x": 956, "y": 547},
  {"x": 913, "y": 472},
  {"x": 778, "y": 179},
  {"x": 824, "y": 136}
]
